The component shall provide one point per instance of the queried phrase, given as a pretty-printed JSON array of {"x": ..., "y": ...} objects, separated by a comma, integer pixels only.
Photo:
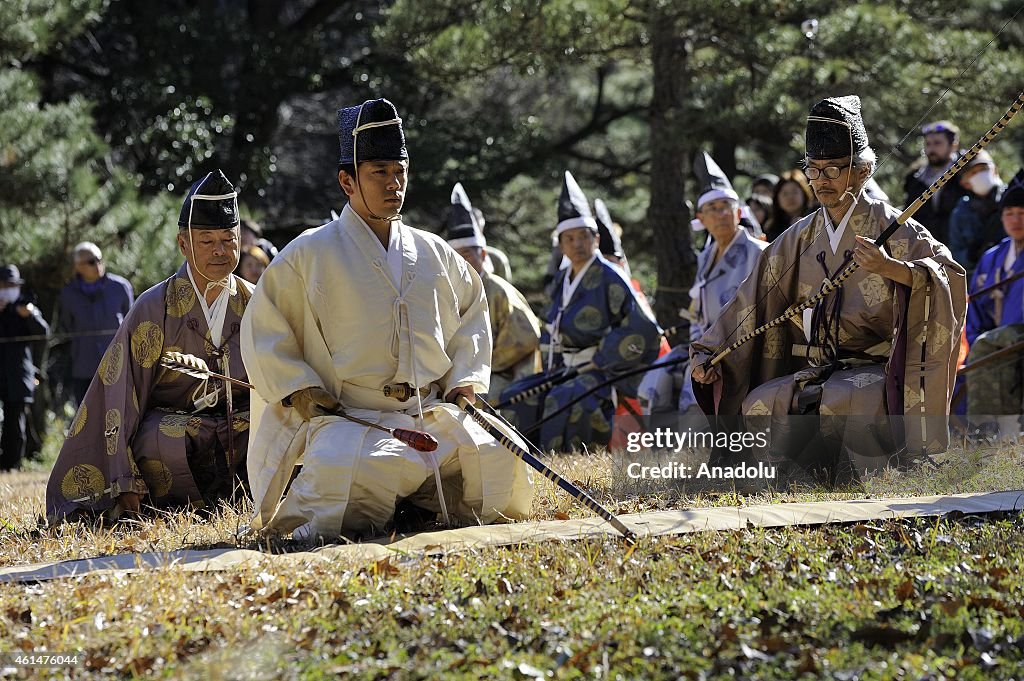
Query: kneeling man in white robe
[{"x": 345, "y": 317}]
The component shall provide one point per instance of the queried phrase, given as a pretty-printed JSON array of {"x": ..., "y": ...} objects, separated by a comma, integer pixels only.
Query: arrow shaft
[{"x": 539, "y": 466}]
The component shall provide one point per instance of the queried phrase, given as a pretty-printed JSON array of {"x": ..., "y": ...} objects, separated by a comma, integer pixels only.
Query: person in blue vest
[
  {"x": 594, "y": 323},
  {"x": 995, "y": 320}
]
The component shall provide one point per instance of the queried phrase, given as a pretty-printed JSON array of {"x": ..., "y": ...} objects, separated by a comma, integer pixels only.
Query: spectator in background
[
  {"x": 941, "y": 149},
  {"x": 792, "y": 200},
  {"x": 761, "y": 206},
  {"x": 252, "y": 263},
  {"x": 19, "y": 318},
  {"x": 252, "y": 235},
  {"x": 764, "y": 185},
  {"x": 975, "y": 225},
  {"x": 92, "y": 306},
  {"x": 995, "y": 321}
]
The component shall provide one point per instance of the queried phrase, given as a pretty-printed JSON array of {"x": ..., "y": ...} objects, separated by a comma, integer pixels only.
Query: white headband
[
  {"x": 475, "y": 241},
  {"x": 209, "y": 197},
  {"x": 576, "y": 223},
  {"x": 715, "y": 195},
  {"x": 376, "y": 124}
]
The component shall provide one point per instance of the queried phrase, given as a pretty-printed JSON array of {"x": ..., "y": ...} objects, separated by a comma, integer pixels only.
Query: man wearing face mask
[
  {"x": 18, "y": 318},
  {"x": 144, "y": 433},
  {"x": 975, "y": 224}
]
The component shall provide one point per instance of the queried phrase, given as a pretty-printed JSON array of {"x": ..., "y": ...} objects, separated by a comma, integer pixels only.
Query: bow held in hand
[
  {"x": 703, "y": 371},
  {"x": 313, "y": 402}
]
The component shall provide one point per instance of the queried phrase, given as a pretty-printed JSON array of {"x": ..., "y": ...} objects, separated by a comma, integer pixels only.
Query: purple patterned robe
[{"x": 138, "y": 429}]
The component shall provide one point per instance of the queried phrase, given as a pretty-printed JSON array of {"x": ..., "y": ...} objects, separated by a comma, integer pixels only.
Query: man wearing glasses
[
  {"x": 941, "y": 150},
  {"x": 863, "y": 380},
  {"x": 92, "y": 306}
]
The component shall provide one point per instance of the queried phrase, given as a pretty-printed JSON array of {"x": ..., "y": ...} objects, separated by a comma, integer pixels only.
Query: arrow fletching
[{"x": 186, "y": 364}]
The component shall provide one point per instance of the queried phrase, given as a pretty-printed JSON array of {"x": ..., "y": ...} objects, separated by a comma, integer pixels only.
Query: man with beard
[{"x": 941, "y": 150}]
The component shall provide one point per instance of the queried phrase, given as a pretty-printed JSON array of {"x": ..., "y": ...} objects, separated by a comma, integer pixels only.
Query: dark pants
[{"x": 12, "y": 440}]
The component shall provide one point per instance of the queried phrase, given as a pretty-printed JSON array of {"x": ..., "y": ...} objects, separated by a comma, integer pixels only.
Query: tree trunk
[{"x": 668, "y": 214}]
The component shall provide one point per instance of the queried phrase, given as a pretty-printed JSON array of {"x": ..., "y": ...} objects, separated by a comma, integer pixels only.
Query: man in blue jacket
[{"x": 92, "y": 307}]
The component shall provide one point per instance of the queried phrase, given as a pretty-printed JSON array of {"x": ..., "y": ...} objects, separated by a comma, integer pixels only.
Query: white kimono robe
[{"x": 329, "y": 313}]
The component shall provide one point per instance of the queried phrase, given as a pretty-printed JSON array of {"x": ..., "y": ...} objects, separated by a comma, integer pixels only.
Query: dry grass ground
[{"x": 921, "y": 598}]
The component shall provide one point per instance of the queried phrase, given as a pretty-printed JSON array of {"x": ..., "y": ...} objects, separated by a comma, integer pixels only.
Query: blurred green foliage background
[{"x": 109, "y": 109}]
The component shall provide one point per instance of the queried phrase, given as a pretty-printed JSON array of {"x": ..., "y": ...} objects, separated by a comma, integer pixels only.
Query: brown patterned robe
[
  {"x": 137, "y": 429},
  {"x": 516, "y": 333},
  {"x": 897, "y": 345}
]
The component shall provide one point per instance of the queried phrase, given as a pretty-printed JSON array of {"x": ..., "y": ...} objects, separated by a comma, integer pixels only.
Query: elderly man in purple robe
[{"x": 145, "y": 433}]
